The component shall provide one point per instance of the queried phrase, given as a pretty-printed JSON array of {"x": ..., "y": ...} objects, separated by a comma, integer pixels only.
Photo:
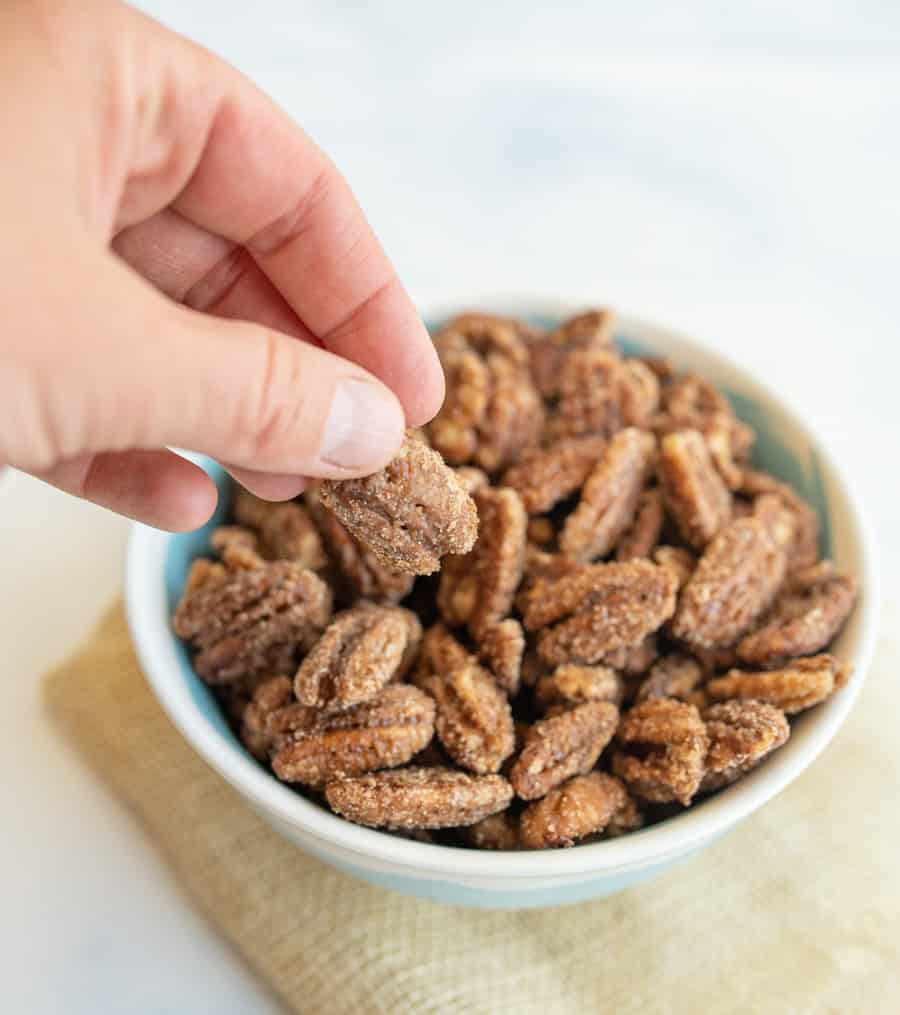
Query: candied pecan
[
  {"x": 499, "y": 831},
  {"x": 733, "y": 584},
  {"x": 592, "y": 329},
  {"x": 544, "y": 477},
  {"x": 473, "y": 722},
  {"x": 237, "y": 546},
  {"x": 643, "y": 533},
  {"x": 663, "y": 746},
  {"x": 636, "y": 660},
  {"x": 270, "y": 695},
  {"x": 253, "y": 621},
  {"x": 801, "y": 684},
  {"x": 410, "y": 514},
  {"x": 715, "y": 660},
  {"x": 661, "y": 367},
  {"x": 673, "y": 676},
  {"x": 203, "y": 572},
  {"x": 562, "y": 746},
  {"x": 580, "y": 807},
  {"x": 441, "y": 653},
  {"x": 806, "y": 616},
  {"x": 382, "y": 733},
  {"x": 679, "y": 561},
  {"x": 741, "y": 734},
  {"x": 478, "y": 589},
  {"x": 571, "y": 684},
  {"x": 638, "y": 393},
  {"x": 501, "y": 647},
  {"x": 356, "y": 572},
  {"x": 286, "y": 531},
  {"x": 492, "y": 410},
  {"x": 418, "y": 798},
  {"x": 609, "y": 497},
  {"x": 607, "y": 607},
  {"x": 804, "y": 548},
  {"x": 470, "y": 478},
  {"x": 694, "y": 492},
  {"x": 779, "y": 520},
  {"x": 589, "y": 395},
  {"x": 359, "y": 652}
]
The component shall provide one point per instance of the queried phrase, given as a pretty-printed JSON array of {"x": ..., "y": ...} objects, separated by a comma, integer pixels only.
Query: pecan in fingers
[
  {"x": 562, "y": 746},
  {"x": 418, "y": 798},
  {"x": 580, "y": 807},
  {"x": 410, "y": 514},
  {"x": 801, "y": 684}
]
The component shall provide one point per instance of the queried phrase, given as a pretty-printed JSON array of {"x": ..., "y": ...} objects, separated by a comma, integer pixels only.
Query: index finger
[{"x": 262, "y": 182}]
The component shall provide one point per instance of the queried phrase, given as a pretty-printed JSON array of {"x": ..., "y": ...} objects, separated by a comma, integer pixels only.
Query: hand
[{"x": 181, "y": 266}]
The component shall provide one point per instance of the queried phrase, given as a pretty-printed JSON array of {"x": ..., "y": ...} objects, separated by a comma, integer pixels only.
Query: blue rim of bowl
[{"x": 188, "y": 702}]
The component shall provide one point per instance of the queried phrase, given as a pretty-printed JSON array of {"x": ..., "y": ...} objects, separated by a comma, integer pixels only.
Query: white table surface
[{"x": 728, "y": 169}]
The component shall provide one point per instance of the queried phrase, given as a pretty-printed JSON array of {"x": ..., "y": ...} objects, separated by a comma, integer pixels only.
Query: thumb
[{"x": 238, "y": 391}]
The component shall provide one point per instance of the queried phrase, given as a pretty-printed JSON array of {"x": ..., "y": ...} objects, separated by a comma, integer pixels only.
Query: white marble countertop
[{"x": 731, "y": 171}]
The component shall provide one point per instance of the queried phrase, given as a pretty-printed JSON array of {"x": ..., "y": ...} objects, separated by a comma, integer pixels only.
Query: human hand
[{"x": 182, "y": 266}]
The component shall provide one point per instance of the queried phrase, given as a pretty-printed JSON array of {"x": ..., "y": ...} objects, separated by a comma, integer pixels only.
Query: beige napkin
[{"x": 796, "y": 911}]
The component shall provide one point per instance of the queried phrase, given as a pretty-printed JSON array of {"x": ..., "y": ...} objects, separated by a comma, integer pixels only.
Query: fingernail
[{"x": 364, "y": 426}]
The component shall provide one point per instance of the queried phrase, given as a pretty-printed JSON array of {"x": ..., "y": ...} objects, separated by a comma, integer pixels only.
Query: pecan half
[
  {"x": 694, "y": 492},
  {"x": 474, "y": 721},
  {"x": 608, "y": 607},
  {"x": 286, "y": 531},
  {"x": 805, "y": 618},
  {"x": 418, "y": 798},
  {"x": 562, "y": 746},
  {"x": 609, "y": 497},
  {"x": 382, "y": 733},
  {"x": 544, "y": 477},
  {"x": 271, "y": 695},
  {"x": 499, "y": 831},
  {"x": 355, "y": 571},
  {"x": 804, "y": 548},
  {"x": 237, "y": 546},
  {"x": 252, "y": 621},
  {"x": 589, "y": 395},
  {"x": 501, "y": 648},
  {"x": 628, "y": 818},
  {"x": 571, "y": 684},
  {"x": 202, "y": 573},
  {"x": 638, "y": 393},
  {"x": 798, "y": 686},
  {"x": 359, "y": 652},
  {"x": 441, "y": 653},
  {"x": 592, "y": 329},
  {"x": 492, "y": 411},
  {"x": 741, "y": 734},
  {"x": 673, "y": 676},
  {"x": 478, "y": 589},
  {"x": 663, "y": 747},
  {"x": 580, "y": 807},
  {"x": 642, "y": 535},
  {"x": 410, "y": 514},
  {"x": 734, "y": 582}
]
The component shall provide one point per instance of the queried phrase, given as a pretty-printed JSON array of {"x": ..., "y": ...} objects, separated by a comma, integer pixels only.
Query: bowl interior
[{"x": 783, "y": 447}]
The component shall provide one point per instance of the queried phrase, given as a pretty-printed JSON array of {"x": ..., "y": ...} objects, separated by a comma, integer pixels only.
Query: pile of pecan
[{"x": 569, "y": 608}]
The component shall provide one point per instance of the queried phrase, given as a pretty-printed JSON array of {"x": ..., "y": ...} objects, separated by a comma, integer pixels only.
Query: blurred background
[{"x": 728, "y": 169}]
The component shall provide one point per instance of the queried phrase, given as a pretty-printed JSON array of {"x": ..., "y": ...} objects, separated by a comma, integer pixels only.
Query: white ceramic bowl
[{"x": 156, "y": 567}]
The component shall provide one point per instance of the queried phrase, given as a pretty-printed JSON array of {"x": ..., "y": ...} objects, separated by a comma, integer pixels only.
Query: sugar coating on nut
[
  {"x": 285, "y": 531},
  {"x": 694, "y": 492},
  {"x": 419, "y": 798},
  {"x": 501, "y": 648},
  {"x": 580, "y": 807},
  {"x": 571, "y": 684},
  {"x": 543, "y": 477},
  {"x": 741, "y": 734},
  {"x": 641, "y": 537},
  {"x": 410, "y": 514},
  {"x": 799, "y": 685}
]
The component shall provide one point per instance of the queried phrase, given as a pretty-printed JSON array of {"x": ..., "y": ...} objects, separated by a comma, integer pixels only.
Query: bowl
[{"x": 157, "y": 564}]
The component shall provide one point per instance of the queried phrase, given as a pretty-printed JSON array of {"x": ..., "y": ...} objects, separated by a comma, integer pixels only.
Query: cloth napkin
[{"x": 796, "y": 911}]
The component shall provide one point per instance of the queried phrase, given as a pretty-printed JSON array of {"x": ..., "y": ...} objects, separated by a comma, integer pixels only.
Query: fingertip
[
  {"x": 271, "y": 486},
  {"x": 175, "y": 500},
  {"x": 423, "y": 402},
  {"x": 363, "y": 430}
]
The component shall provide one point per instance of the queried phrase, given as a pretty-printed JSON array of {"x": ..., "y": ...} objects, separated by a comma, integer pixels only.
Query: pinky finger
[{"x": 156, "y": 487}]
